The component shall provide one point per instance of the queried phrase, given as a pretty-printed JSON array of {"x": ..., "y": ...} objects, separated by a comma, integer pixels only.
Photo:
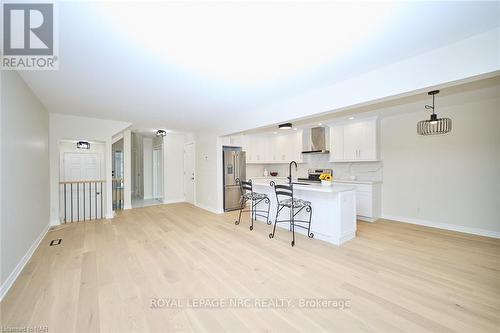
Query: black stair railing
[{"x": 82, "y": 200}]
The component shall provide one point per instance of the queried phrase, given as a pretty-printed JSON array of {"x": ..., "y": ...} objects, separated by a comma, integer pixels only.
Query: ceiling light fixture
[
  {"x": 285, "y": 126},
  {"x": 83, "y": 145},
  {"x": 161, "y": 133},
  {"x": 351, "y": 118},
  {"x": 435, "y": 125}
]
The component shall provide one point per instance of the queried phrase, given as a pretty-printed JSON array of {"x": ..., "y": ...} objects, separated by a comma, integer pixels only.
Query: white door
[
  {"x": 189, "y": 181},
  {"x": 157, "y": 174},
  {"x": 81, "y": 201}
]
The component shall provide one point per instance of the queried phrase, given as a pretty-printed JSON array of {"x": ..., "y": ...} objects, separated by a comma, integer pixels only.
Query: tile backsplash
[{"x": 362, "y": 170}]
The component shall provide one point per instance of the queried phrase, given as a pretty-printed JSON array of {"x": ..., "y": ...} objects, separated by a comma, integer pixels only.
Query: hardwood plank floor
[{"x": 397, "y": 277}]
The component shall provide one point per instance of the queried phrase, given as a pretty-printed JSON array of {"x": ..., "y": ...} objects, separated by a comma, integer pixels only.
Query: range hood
[{"x": 316, "y": 141}]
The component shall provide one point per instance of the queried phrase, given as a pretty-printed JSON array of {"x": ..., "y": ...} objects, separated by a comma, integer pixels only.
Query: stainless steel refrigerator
[{"x": 234, "y": 162}]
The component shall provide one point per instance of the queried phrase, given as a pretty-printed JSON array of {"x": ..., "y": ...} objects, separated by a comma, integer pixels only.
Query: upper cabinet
[
  {"x": 354, "y": 141},
  {"x": 273, "y": 148}
]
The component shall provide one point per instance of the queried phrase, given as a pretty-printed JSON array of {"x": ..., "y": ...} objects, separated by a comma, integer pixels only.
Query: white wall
[
  {"x": 66, "y": 127},
  {"x": 127, "y": 169},
  {"x": 450, "y": 181},
  {"x": 147, "y": 144},
  {"x": 173, "y": 166},
  {"x": 25, "y": 176},
  {"x": 206, "y": 163}
]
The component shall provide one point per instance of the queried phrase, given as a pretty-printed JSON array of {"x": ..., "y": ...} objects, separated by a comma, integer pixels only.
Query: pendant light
[{"x": 435, "y": 125}]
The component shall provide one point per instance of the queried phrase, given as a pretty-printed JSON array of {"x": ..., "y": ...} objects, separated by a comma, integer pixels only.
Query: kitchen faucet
[{"x": 290, "y": 171}]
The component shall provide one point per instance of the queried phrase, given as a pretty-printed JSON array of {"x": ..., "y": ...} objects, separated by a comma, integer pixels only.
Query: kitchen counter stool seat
[
  {"x": 296, "y": 206},
  {"x": 297, "y": 203},
  {"x": 247, "y": 194}
]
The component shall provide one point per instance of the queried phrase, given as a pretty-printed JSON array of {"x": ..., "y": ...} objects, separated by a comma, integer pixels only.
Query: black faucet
[{"x": 290, "y": 171}]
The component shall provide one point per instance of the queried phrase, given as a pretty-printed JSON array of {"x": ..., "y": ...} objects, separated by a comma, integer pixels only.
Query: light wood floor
[{"x": 398, "y": 277}]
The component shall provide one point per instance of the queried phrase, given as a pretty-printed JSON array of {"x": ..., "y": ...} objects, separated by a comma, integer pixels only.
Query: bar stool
[
  {"x": 247, "y": 193},
  {"x": 292, "y": 203}
]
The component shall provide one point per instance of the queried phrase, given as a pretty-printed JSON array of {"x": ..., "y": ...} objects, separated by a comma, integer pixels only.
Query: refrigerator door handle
[{"x": 234, "y": 167}]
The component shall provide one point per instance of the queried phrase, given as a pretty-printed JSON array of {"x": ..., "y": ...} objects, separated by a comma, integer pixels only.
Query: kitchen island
[{"x": 333, "y": 210}]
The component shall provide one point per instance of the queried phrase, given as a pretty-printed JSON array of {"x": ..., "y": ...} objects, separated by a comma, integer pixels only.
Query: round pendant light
[{"x": 435, "y": 125}]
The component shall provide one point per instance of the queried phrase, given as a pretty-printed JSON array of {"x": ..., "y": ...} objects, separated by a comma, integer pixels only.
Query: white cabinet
[
  {"x": 354, "y": 141},
  {"x": 273, "y": 148},
  {"x": 368, "y": 200}
]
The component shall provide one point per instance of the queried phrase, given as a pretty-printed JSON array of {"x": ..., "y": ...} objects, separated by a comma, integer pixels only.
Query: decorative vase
[{"x": 326, "y": 182}]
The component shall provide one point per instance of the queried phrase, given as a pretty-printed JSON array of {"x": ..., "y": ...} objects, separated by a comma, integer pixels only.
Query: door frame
[
  {"x": 157, "y": 173},
  {"x": 193, "y": 145}
]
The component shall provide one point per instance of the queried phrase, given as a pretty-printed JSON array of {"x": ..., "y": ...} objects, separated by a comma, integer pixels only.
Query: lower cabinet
[{"x": 368, "y": 200}]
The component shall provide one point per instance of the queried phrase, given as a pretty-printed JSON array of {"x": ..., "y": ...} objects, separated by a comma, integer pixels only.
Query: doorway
[
  {"x": 118, "y": 175},
  {"x": 81, "y": 184},
  {"x": 157, "y": 174},
  {"x": 189, "y": 170}
]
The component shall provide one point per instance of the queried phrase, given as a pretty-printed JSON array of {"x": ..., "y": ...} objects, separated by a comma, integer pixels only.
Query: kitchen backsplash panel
[{"x": 371, "y": 171}]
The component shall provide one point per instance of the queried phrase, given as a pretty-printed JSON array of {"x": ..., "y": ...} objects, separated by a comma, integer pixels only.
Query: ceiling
[{"x": 189, "y": 65}]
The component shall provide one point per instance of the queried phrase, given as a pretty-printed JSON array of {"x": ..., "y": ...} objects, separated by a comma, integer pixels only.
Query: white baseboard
[
  {"x": 127, "y": 207},
  {"x": 210, "y": 209},
  {"x": 171, "y": 201},
  {"x": 347, "y": 237},
  {"x": 445, "y": 226},
  {"x": 4, "y": 288},
  {"x": 367, "y": 219}
]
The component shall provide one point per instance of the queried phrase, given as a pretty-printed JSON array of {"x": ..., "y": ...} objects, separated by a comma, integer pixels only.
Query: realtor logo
[{"x": 28, "y": 36}]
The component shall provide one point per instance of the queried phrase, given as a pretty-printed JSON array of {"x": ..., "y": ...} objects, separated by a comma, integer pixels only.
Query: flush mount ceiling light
[
  {"x": 83, "y": 145},
  {"x": 161, "y": 133},
  {"x": 285, "y": 126},
  {"x": 435, "y": 125}
]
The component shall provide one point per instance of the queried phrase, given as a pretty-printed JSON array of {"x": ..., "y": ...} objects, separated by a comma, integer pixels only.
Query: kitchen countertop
[
  {"x": 370, "y": 182},
  {"x": 345, "y": 181},
  {"x": 311, "y": 187}
]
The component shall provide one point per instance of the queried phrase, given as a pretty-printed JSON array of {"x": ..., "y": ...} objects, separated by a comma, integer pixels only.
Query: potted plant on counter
[{"x": 326, "y": 179}]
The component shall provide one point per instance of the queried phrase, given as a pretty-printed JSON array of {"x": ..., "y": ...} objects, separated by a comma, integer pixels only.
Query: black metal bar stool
[
  {"x": 292, "y": 203},
  {"x": 247, "y": 193}
]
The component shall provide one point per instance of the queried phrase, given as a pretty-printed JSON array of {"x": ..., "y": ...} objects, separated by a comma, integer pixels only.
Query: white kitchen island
[{"x": 333, "y": 210}]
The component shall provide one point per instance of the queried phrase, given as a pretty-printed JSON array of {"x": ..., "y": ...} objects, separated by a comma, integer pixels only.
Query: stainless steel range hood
[{"x": 317, "y": 141}]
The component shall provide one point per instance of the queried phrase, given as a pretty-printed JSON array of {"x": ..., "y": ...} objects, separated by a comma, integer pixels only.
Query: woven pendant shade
[{"x": 435, "y": 125}]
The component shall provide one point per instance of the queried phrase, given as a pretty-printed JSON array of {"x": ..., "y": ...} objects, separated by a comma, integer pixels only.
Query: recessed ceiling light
[
  {"x": 275, "y": 132},
  {"x": 295, "y": 128},
  {"x": 319, "y": 124},
  {"x": 351, "y": 118},
  {"x": 285, "y": 126}
]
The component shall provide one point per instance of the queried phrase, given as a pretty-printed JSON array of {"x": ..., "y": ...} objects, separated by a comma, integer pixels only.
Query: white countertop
[
  {"x": 344, "y": 181},
  {"x": 312, "y": 187}
]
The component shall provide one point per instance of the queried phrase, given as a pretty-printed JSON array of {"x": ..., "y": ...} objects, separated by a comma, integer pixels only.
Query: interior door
[
  {"x": 81, "y": 167},
  {"x": 189, "y": 178},
  {"x": 157, "y": 174}
]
